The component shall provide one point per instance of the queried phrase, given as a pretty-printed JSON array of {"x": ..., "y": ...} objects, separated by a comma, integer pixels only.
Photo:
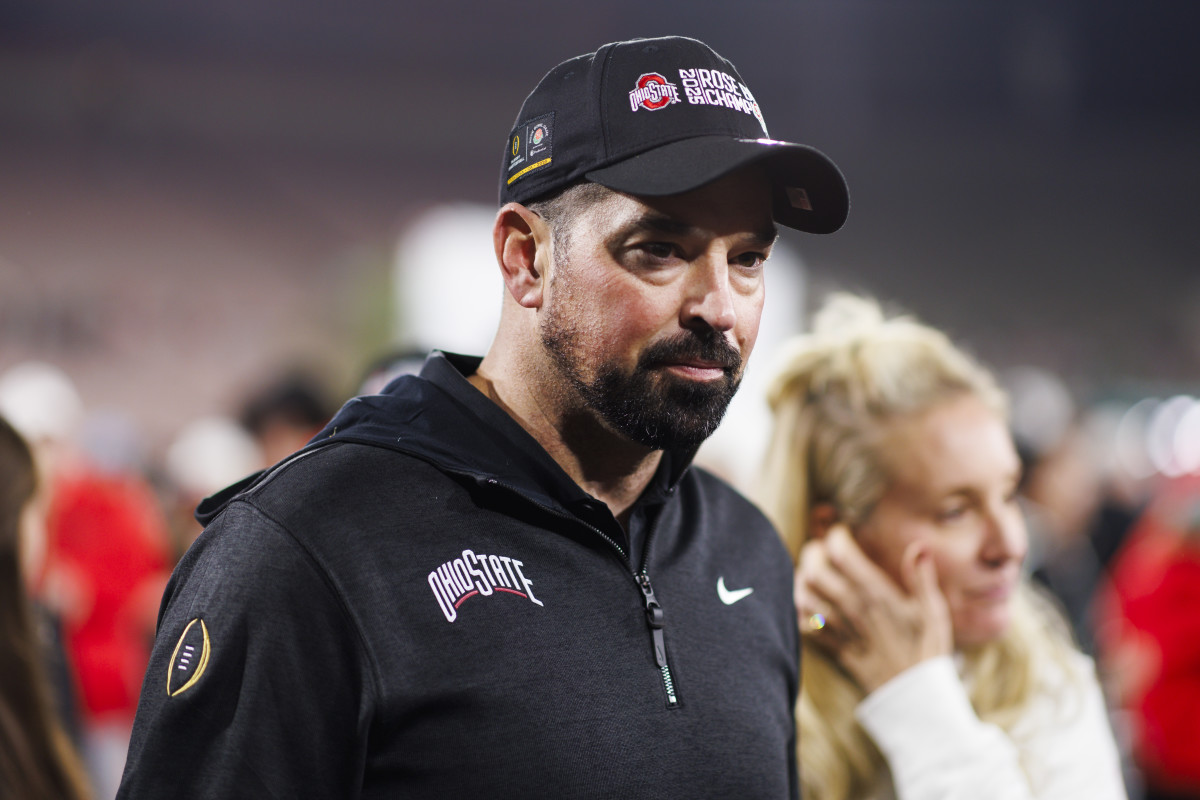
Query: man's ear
[
  {"x": 522, "y": 242},
  {"x": 821, "y": 519}
]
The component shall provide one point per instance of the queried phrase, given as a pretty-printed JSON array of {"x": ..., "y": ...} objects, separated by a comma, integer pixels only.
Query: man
[{"x": 501, "y": 577}]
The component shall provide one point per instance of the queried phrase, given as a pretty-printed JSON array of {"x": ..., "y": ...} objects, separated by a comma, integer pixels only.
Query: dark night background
[{"x": 192, "y": 193}]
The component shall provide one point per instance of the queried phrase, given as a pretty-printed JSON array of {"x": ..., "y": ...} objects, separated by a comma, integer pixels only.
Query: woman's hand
[{"x": 851, "y": 608}]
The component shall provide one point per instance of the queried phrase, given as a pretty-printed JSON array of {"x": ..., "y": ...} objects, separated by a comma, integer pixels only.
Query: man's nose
[{"x": 709, "y": 299}]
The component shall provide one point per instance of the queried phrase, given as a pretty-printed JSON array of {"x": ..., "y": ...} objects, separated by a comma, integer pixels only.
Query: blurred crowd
[
  {"x": 1112, "y": 501},
  {"x": 1115, "y": 538}
]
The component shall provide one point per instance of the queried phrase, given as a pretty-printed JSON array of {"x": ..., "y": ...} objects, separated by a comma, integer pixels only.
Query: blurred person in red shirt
[{"x": 1149, "y": 638}]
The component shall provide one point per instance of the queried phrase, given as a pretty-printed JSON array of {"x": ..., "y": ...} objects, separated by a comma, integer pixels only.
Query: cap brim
[{"x": 810, "y": 193}]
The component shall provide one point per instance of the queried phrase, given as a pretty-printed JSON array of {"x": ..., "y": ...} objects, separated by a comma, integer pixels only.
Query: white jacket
[{"x": 938, "y": 749}]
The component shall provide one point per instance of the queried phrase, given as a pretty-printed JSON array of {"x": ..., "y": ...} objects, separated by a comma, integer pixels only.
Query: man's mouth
[
  {"x": 696, "y": 369},
  {"x": 695, "y": 357}
]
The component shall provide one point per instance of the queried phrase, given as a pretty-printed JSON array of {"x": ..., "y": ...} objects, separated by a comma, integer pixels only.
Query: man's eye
[
  {"x": 659, "y": 249},
  {"x": 751, "y": 260}
]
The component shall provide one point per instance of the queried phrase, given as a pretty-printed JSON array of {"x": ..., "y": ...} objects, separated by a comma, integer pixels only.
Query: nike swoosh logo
[{"x": 728, "y": 597}]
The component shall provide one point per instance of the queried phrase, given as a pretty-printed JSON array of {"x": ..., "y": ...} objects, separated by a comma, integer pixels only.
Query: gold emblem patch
[{"x": 189, "y": 659}]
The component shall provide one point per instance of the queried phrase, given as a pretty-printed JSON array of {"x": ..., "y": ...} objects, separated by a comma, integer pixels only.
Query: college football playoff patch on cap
[
  {"x": 531, "y": 147},
  {"x": 189, "y": 659}
]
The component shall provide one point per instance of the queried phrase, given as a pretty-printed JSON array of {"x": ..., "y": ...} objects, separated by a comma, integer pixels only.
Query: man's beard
[{"x": 649, "y": 405}]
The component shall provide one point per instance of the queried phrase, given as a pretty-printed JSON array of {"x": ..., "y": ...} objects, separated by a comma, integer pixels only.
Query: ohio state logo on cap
[{"x": 653, "y": 92}]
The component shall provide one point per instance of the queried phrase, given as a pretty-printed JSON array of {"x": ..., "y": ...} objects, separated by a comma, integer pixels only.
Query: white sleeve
[{"x": 938, "y": 749}]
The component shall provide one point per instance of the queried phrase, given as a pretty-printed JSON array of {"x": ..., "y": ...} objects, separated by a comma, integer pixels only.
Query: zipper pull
[{"x": 654, "y": 618}]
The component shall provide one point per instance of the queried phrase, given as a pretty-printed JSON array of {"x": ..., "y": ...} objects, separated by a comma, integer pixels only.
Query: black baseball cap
[{"x": 657, "y": 117}]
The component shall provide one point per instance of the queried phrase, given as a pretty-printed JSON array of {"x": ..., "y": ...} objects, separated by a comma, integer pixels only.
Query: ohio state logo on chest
[{"x": 471, "y": 574}]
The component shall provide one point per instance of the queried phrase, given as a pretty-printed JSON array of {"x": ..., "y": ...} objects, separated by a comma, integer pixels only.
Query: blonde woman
[{"x": 930, "y": 670}]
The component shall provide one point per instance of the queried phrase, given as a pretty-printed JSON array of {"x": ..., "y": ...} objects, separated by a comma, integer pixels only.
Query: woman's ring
[{"x": 816, "y": 621}]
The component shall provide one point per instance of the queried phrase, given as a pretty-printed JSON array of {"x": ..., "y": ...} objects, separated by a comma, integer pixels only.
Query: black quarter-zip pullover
[{"x": 422, "y": 604}]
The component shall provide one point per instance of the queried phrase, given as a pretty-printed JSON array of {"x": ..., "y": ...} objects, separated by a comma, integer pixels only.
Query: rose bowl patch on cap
[{"x": 657, "y": 117}]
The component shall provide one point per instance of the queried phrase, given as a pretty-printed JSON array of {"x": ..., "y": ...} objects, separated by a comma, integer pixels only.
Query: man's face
[{"x": 654, "y": 307}]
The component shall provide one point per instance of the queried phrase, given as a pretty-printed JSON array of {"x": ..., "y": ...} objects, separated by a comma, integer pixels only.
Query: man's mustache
[{"x": 709, "y": 346}]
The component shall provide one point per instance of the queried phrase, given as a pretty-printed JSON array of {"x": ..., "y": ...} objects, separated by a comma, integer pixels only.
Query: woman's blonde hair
[{"x": 834, "y": 396}]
